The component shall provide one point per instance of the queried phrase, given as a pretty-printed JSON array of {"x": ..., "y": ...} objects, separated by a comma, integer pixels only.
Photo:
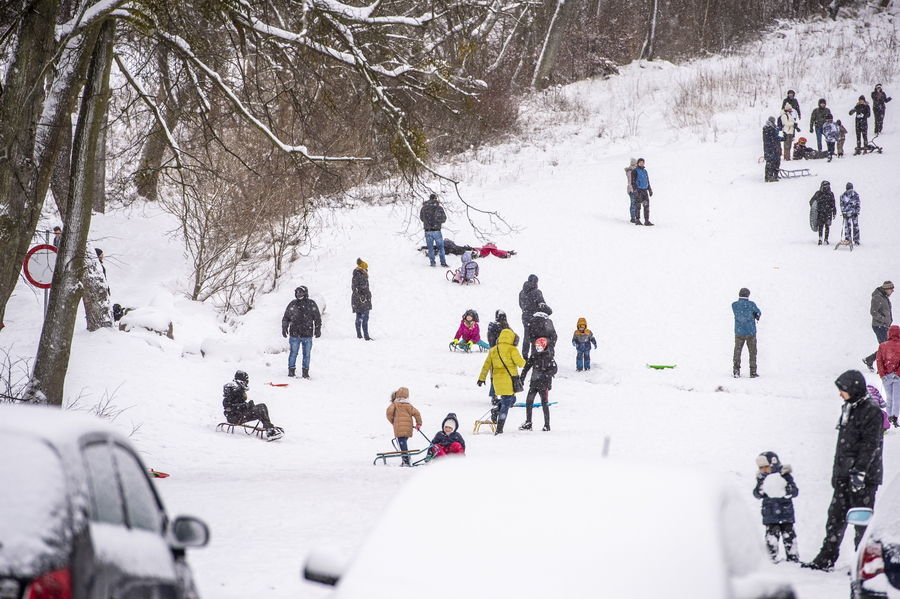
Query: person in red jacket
[{"x": 887, "y": 360}]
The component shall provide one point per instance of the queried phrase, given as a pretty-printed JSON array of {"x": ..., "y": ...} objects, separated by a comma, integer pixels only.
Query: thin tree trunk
[
  {"x": 52, "y": 361},
  {"x": 648, "y": 49},
  {"x": 97, "y": 305},
  {"x": 550, "y": 49}
]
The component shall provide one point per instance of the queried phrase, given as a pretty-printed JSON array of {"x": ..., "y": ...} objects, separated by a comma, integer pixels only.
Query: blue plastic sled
[{"x": 537, "y": 405}]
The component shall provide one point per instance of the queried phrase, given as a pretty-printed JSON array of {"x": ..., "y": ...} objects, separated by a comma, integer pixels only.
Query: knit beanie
[
  {"x": 887, "y": 285},
  {"x": 744, "y": 292},
  {"x": 362, "y": 264}
]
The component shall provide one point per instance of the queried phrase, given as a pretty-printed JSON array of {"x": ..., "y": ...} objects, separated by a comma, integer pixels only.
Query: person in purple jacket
[{"x": 468, "y": 333}]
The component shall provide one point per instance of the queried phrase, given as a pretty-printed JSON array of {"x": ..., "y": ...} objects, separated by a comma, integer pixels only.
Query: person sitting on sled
[
  {"x": 449, "y": 441},
  {"x": 804, "y": 152},
  {"x": 238, "y": 410},
  {"x": 468, "y": 271},
  {"x": 468, "y": 333}
]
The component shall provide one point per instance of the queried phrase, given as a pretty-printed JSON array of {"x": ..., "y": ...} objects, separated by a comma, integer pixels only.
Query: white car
[
  {"x": 876, "y": 565},
  {"x": 581, "y": 528}
]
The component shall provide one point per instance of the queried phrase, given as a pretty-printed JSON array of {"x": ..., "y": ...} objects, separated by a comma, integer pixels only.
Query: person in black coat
[
  {"x": 239, "y": 410},
  {"x": 361, "y": 299},
  {"x": 530, "y": 297},
  {"x": 540, "y": 325},
  {"x": 879, "y": 99},
  {"x": 862, "y": 112},
  {"x": 543, "y": 368},
  {"x": 790, "y": 99},
  {"x": 777, "y": 512},
  {"x": 433, "y": 216},
  {"x": 858, "y": 468},
  {"x": 448, "y": 440},
  {"x": 301, "y": 322},
  {"x": 826, "y": 209},
  {"x": 771, "y": 150}
]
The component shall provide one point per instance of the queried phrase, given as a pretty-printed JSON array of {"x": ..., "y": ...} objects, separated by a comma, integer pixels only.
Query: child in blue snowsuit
[
  {"x": 777, "y": 512},
  {"x": 582, "y": 340}
]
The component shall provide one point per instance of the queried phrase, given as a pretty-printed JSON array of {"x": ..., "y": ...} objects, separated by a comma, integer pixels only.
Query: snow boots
[
  {"x": 525, "y": 427},
  {"x": 495, "y": 410},
  {"x": 499, "y": 430},
  {"x": 292, "y": 372},
  {"x": 546, "y": 427},
  {"x": 305, "y": 373},
  {"x": 273, "y": 434}
]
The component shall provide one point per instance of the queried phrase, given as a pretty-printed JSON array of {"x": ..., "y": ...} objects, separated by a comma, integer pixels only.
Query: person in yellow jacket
[
  {"x": 401, "y": 414},
  {"x": 503, "y": 362}
]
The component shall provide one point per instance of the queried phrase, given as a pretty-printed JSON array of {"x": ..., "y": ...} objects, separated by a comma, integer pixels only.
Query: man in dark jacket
[
  {"x": 790, "y": 99},
  {"x": 879, "y": 99},
  {"x": 862, "y": 112},
  {"x": 433, "y": 216},
  {"x": 540, "y": 325},
  {"x": 817, "y": 120},
  {"x": 301, "y": 322},
  {"x": 857, "y": 470},
  {"x": 826, "y": 210},
  {"x": 771, "y": 150},
  {"x": 543, "y": 368},
  {"x": 882, "y": 318},
  {"x": 529, "y": 299},
  {"x": 239, "y": 410}
]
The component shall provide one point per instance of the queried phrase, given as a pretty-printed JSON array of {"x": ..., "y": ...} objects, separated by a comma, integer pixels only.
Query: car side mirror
[
  {"x": 324, "y": 566},
  {"x": 187, "y": 531},
  {"x": 859, "y": 516}
]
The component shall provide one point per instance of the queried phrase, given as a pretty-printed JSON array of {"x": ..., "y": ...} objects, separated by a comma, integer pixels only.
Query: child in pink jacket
[{"x": 468, "y": 333}]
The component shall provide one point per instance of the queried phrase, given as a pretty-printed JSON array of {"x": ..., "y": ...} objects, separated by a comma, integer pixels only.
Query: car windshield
[{"x": 34, "y": 516}]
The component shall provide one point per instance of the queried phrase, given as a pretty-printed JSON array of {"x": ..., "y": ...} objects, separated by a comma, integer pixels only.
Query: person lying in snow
[
  {"x": 804, "y": 152},
  {"x": 449, "y": 440},
  {"x": 484, "y": 251}
]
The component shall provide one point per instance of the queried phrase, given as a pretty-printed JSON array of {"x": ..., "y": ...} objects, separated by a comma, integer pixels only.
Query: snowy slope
[{"x": 650, "y": 295}]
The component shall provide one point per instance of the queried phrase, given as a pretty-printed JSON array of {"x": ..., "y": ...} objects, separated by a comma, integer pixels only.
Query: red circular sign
[{"x": 39, "y": 264}]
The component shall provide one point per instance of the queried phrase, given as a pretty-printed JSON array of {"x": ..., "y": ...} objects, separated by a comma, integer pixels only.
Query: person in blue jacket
[
  {"x": 640, "y": 181},
  {"x": 746, "y": 313}
]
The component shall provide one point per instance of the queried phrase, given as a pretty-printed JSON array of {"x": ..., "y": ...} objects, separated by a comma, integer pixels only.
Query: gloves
[
  {"x": 786, "y": 469},
  {"x": 284, "y": 333},
  {"x": 650, "y": 192},
  {"x": 318, "y": 334},
  {"x": 760, "y": 476},
  {"x": 574, "y": 344},
  {"x": 857, "y": 481},
  {"x": 480, "y": 383},
  {"x": 454, "y": 342},
  {"x": 810, "y": 130},
  {"x": 418, "y": 427}
]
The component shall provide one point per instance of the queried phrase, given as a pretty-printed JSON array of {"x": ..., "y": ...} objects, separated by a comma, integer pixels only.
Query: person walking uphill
[
  {"x": 850, "y": 211},
  {"x": 433, "y": 216},
  {"x": 879, "y": 99},
  {"x": 882, "y": 317},
  {"x": 640, "y": 181},
  {"x": 746, "y": 313},
  {"x": 361, "y": 299},
  {"x": 543, "y": 368},
  {"x": 530, "y": 299},
  {"x": 401, "y": 415},
  {"x": 630, "y": 189},
  {"x": 862, "y": 112},
  {"x": 857, "y": 469},
  {"x": 817, "y": 120},
  {"x": 825, "y": 210},
  {"x": 887, "y": 359},
  {"x": 771, "y": 150},
  {"x": 301, "y": 322},
  {"x": 503, "y": 361}
]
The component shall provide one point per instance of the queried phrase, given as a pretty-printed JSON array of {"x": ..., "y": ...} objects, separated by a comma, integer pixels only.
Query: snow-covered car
[
  {"x": 876, "y": 564},
  {"x": 79, "y": 516},
  {"x": 536, "y": 528}
]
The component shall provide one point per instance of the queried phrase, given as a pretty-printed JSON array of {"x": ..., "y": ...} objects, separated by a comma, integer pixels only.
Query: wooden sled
[
  {"x": 251, "y": 427},
  {"x": 793, "y": 174},
  {"x": 844, "y": 242},
  {"x": 487, "y": 423}
]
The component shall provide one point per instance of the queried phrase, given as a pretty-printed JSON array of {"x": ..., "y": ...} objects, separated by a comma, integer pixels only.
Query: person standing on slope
[
  {"x": 361, "y": 299},
  {"x": 301, "y": 322},
  {"x": 746, "y": 313},
  {"x": 862, "y": 112},
  {"x": 850, "y": 212},
  {"x": 882, "y": 317},
  {"x": 630, "y": 189},
  {"x": 771, "y": 150},
  {"x": 857, "y": 469},
  {"x": 825, "y": 210},
  {"x": 790, "y": 99},
  {"x": 640, "y": 181},
  {"x": 543, "y": 368},
  {"x": 818, "y": 119},
  {"x": 433, "y": 216},
  {"x": 530, "y": 298},
  {"x": 887, "y": 360},
  {"x": 879, "y": 99},
  {"x": 503, "y": 362},
  {"x": 787, "y": 122}
]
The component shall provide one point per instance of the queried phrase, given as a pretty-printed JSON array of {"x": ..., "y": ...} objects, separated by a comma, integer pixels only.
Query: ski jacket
[
  {"x": 530, "y": 298},
  {"x": 862, "y": 115},
  {"x": 826, "y": 209},
  {"x": 493, "y": 332},
  {"x": 843, "y": 134},
  {"x": 234, "y": 402},
  {"x": 360, "y": 296},
  {"x": 541, "y": 326},
  {"x": 794, "y": 104},
  {"x": 850, "y": 203},
  {"x": 880, "y": 309},
  {"x": 771, "y": 147},
  {"x": 777, "y": 510},
  {"x": 640, "y": 178},
  {"x": 629, "y": 188},
  {"x": 469, "y": 268},
  {"x": 543, "y": 368},
  {"x": 859, "y": 444},
  {"x": 831, "y": 131},
  {"x": 401, "y": 414},
  {"x": 302, "y": 319},
  {"x": 432, "y": 215},
  {"x": 879, "y": 99},
  {"x": 787, "y": 122},
  {"x": 582, "y": 340},
  {"x": 746, "y": 313},
  {"x": 887, "y": 358},
  {"x": 818, "y": 117},
  {"x": 464, "y": 333},
  {"x": 503, "y": 361}
]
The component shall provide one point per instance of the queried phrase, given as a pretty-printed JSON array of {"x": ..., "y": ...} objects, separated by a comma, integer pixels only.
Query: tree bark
[
  {"x": 552, "y": 41},
  {"x": 52, "y": 361},
  {"x": 648, "y": 50},
  {"x": 97, "y": 305}
]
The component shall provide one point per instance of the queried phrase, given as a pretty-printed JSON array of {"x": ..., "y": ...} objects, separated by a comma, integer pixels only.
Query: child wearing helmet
[
  {"x": 776, "y": 487},
  {"x": 468, "y": 333},
  {"x": 238, "y": 410},
  {"x": 543, "y": 369},
  {"x": 581, "y": 341}
]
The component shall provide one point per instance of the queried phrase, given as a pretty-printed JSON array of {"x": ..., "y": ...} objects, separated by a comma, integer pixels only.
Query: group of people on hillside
[
  {"x": 779, "y": 134},
  {"x": 825, "y": 210}
]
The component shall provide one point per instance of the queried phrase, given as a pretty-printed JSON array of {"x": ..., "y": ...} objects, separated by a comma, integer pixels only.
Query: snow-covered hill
[{"x": 650, "y": 295}]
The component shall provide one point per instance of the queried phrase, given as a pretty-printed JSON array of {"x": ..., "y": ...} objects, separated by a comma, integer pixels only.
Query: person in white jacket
[{"x": 787, "y": 123}]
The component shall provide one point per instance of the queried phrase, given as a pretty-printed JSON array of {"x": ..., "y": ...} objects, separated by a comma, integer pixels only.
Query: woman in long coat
[
  {"x": 361, "y": 299},
  {"x": 503, "y": 362}
]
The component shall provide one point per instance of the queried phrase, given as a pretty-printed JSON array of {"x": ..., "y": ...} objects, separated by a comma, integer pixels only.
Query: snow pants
[
  {"x": 892, "y": 394},
  {"x": 455, "y": 447},
  {"x": 583, "y": 360},
  {"x": 784, "y": 532},
  {"x": 250, "y": 413},
  {"x": 879, "y": 120},
  {"x": 862, "y": 131},
  {"x": 545, "y": 404},
  {"x": 843, "y": 499},
  {"x": 881, "y": 335},
  {"x": 772, "y": 166},
  {"x": 641, "y": 198},
  {"x": 739, "y": 341},
  {"x": 826, "y": 229},
  {"x": 851, "y": 228}
]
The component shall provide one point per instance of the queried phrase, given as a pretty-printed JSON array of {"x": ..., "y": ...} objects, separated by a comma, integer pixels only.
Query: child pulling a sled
[
  {"x": 468, "y": 333},
  {"x": 402, "y": 414}
]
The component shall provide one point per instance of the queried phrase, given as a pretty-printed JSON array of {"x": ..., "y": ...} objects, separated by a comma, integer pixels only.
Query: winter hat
[
  {"x": 401, "y": 393},
  {"x": 542, "y": 307},
  {"x": 499, "y": 315},
  {"x": 768, "y": 458},
  {"x": 540, "y": 344},
  {"x": 801, "y": 141},
  {"x": 433, "y": 196},
  {"x": 822, "y": 101},
  {"x": 875, "y": 394},
  {"x": 838, "y": 121},
  {"x": 877, "y": 85},
  {"x": 863, "y": 98},
  {"x": 849, "y": 186},
  {"x": 451, "y": 420},
  {"x": 790, "y": 91},
  {"x": 634, "y": 162},
  {"x": 301, "y": 292},
  {"x": 770, "y": 121},
  {"x": 744, "y": 292},
  {"x": 361, "y": 264},
  {"x": 532, "y": 279},
  {"x": 887, "y": 285},
  {"x": 99, "y": 252},
  {"x": 642, "y": 160},
  {"x": 853, "y": 383},
  {"x": 829, "y": 118}
]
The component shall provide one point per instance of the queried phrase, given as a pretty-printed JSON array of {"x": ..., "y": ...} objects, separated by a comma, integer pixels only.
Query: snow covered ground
[{"x": 657, "y": 295}]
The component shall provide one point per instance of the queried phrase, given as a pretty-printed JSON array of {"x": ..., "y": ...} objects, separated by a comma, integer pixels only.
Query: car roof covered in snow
[
  {"x": 531, "y": 528},
  {"x": 61, "y": 428}
]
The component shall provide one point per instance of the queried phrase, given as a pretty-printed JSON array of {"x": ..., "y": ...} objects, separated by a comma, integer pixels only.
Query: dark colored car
[
  {"x": 79, "y": 516},
  {"x": 876, "y": 566}
]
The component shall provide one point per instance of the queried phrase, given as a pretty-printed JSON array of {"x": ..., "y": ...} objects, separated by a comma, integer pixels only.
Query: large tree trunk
[
  {"x": 552, "y": 41},
  {"x": 97, "y": 305},
  {"x": 52, "y": 361}
]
